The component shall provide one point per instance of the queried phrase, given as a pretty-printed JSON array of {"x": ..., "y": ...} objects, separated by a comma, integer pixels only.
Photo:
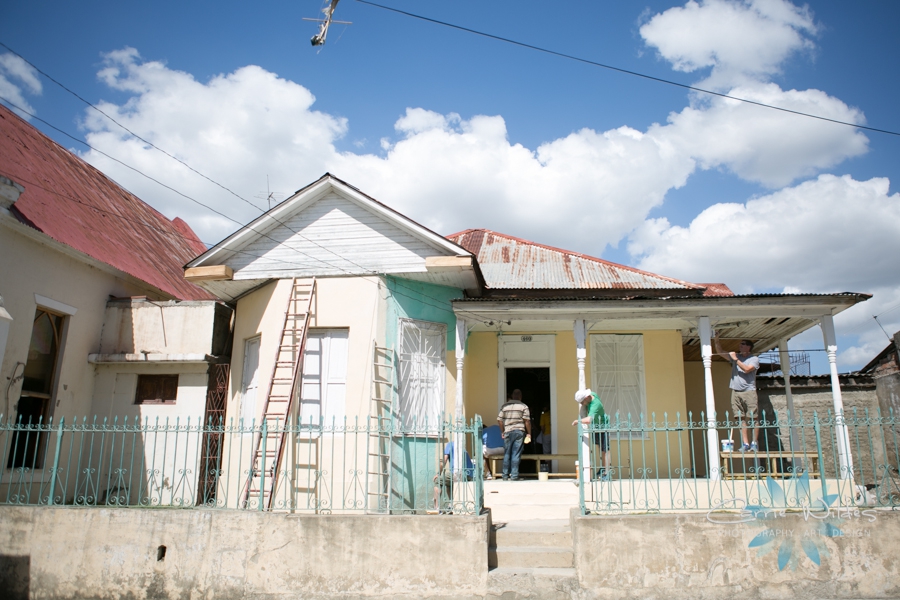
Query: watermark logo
[{"x": 796, "y": 519}]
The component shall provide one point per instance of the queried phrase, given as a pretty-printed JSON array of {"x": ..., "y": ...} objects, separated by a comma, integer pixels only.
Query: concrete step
[
  {"x": 527, "y": 500},
  {"x": 520, "y": 583},
  {"x": 531, "y": 544},
  {"x": 555, "y": 539},
  {"x": 551, "y": 533},
  {"x": 531, "y": 557},
  {"x": 529, "y": 512}
]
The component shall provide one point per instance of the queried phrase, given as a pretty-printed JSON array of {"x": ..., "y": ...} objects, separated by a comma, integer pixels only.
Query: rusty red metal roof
[
  {"x": 716, "y": 290},
  {"x": 74, "y": 203},
  {"x": 515, "y": 264}
]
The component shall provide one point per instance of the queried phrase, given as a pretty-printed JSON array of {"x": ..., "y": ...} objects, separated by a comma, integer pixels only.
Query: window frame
[
  {"x": 155, "y": 401},
  {"x": 613, "y": 405},
  {"x": 434, "y": 415}
]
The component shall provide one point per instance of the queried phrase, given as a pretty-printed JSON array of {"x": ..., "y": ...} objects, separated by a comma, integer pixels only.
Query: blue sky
[{"x": 457, "y": 130}]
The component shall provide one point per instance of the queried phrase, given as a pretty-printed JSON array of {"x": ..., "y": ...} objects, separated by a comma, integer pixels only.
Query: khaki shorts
[{"x": 745, "y": 404}]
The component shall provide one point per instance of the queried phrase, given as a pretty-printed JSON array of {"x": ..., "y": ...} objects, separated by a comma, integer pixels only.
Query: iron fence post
[
  {"x": 59, "y": 434},
  {"x": 580, "y": 467},
  {"x": 818, "y": 434},
  {"x": 262, "y": 465}
]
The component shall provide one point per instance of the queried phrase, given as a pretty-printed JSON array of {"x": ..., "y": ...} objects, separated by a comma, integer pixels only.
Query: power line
[
  {"x": 621, "y": 70},
  {"x": 263, "y": 234},
  {"x": 149, "y": 143}
]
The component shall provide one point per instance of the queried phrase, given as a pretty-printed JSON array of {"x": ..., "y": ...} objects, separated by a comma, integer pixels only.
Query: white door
[
  {"x": 519, "y": 351},
  {"x": 422, "y": 371},
  {"x": 249, "y": 381},
  {"x": 324, "y": 383}
]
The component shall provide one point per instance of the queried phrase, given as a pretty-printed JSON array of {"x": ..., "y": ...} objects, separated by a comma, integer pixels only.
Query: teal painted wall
[
  {"x": 421, "y": 301},
  {"x": 415, "y": 459}
]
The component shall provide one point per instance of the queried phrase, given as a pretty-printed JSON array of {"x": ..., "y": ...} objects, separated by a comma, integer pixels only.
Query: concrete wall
[
  {"x": 687, "y": 556},
  {"x": 114, "y": 553},
  {"x": 137, "y": 326}
]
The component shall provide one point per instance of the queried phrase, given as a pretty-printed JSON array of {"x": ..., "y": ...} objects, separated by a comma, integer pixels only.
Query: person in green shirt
[{"x": 592, "y": 412}]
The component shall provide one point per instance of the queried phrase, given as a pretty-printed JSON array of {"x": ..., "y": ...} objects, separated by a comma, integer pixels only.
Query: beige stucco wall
[
  {"x": 480, "y": 376},
  {"x": 38, "y": 269},
  {"x": 353, "y": 303},
  {"x": 243, "y": 554}
]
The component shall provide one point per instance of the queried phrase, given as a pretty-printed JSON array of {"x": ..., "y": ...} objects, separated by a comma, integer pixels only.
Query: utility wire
[
  {"x": 621, "y": 70},
  {"x": 421, "y": 295},
  {"x": 148, "y": 142}
]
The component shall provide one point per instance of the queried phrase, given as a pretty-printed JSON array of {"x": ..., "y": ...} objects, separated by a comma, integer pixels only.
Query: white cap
[{"x": 582, "y": 394}]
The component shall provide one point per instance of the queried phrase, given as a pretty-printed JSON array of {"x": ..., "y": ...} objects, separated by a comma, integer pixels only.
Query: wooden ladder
[
  {"x": 381, "y": 423},
  {"x": 269, "y": 441}
]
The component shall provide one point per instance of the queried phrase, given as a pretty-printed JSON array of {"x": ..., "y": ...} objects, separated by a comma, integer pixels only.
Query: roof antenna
[
  {"x": 269, "y": 195},
  {"x": 324, "y": 24}
]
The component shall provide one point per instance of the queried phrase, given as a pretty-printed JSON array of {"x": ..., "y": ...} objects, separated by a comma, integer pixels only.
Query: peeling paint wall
[{"x": 687, "y": 556}]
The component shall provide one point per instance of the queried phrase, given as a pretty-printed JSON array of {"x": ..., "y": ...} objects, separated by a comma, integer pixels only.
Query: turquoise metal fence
[
  {"x": 808, "y": 461},
  {"x": 347, "y": 466}
]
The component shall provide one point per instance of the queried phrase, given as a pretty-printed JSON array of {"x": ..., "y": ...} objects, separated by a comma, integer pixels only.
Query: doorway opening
[{"x": 534, "y": 382}]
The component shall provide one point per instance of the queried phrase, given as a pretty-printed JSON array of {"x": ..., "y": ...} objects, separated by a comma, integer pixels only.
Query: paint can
[{"x": 727, "y": 445}]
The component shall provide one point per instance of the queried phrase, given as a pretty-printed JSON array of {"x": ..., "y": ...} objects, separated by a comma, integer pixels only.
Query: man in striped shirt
[{"x": 515, "y": 427}]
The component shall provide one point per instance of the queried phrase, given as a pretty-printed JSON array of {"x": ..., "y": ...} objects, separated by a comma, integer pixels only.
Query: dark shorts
[{"x": 601, "y": 438}]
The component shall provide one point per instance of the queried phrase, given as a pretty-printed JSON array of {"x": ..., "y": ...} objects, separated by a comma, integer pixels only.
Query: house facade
[
  {"x": 98, "y": 324},
  {"x": 421, "y": 328}
]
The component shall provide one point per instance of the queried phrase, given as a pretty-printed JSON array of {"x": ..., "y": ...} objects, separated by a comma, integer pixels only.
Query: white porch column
[
  {"x": 459, "y": 417},
  {"x": 581, "y": 355},
  {"x": 461, "y": 334},
  {"x": 580, "y": 350},
  {"x": 784, "y": 358},
  {"x": 840, "y": 429},
  {"x": 712, "y": 434}
]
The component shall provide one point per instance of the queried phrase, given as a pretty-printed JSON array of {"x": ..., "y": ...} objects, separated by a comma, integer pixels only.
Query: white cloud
[
  {"x": 583, "y": 191},
  {"x": 739, "y": 39},
  {"x": 236, "y": 129},
  {"x": 831, "y": 234},
  {"x": 811, "y": 236},
  {"x": 447, "y": 172},
  {"x": 768, "y": 146},
  {"x": 13, "y": 69}
]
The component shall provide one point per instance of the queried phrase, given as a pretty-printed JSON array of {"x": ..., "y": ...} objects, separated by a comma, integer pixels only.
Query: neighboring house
[
  {"x": 467, "y": 318},
  {"x": 885, "y": 369},
  {"x": 97, "y": 321}
]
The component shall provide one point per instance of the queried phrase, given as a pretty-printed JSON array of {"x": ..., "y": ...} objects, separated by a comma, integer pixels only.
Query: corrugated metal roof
[
  {"x": 74, "y": 203},
  {"x": 716, "y": 290},
  {"x": 859, "y": 297},
  {"x": 516, "y": 264}
]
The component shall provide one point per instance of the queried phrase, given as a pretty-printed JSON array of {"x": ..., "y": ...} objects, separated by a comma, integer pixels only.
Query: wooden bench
[
  {"x": 497, "y": 471},
  {"x": 810, "y": 460}
]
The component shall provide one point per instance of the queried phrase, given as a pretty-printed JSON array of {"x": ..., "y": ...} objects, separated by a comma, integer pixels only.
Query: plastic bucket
[
  {"x": 727, "y": 445},
  {"x": 543, "y": 476}
]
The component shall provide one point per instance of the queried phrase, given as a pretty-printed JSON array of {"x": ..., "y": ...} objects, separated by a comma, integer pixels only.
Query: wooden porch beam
[{"x": 212, "y": 273}]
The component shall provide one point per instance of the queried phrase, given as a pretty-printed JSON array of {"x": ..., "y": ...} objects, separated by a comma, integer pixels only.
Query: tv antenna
[
  {"x": 269, "y": 196},
  {"x": 324, "y": 24}
]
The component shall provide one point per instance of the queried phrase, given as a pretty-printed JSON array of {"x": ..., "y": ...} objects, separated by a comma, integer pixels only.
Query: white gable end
[{"x": 333, "y": 236}]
